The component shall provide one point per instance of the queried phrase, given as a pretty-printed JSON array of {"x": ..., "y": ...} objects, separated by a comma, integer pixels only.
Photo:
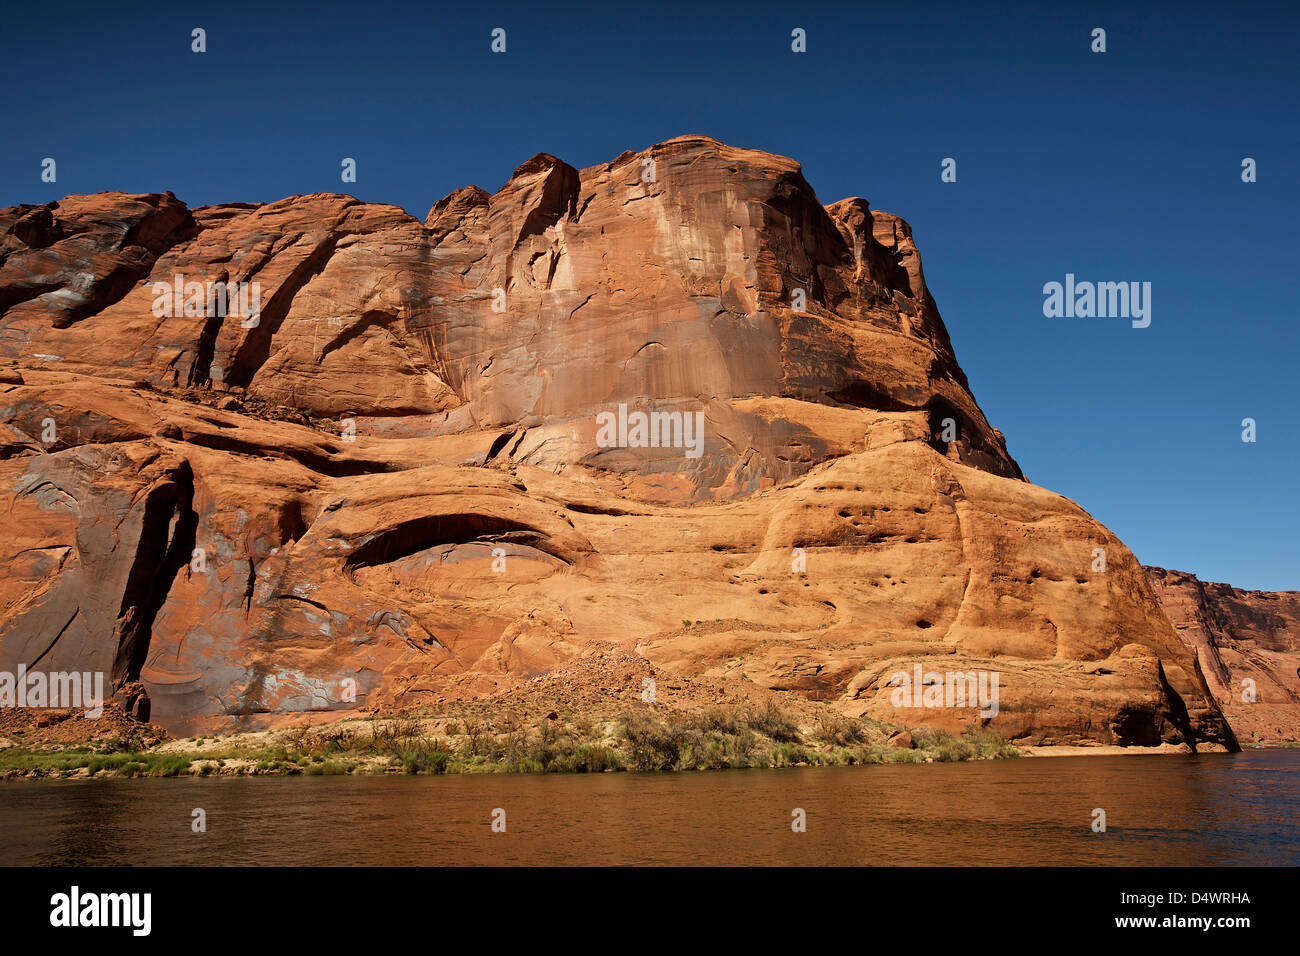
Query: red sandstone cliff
[
  {"x": 1247, "y": 644},
  {"x": 851, "y": 512}
]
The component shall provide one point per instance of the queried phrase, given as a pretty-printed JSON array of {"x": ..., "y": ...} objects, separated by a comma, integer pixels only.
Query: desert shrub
[
  {"x": 424, "y": 759},
  {"x": 788, "y": 754},
  {"x": 653, "y": 746},
  {"x": 837, "y": 731},
  {"x": 950, "y": 749},
  {"x": 990, "y": 745},
  {"x": 329, "y": 768},
  {"x": 740, "y": 749},
  {"x": 720, "y": 719},
  {"x": 975, "y": 743},
  {"x": 774, "y": 722}
]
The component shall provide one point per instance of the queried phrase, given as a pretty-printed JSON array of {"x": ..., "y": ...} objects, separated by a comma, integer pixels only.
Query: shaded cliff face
[
  {"x": 1247, "y": 645},
  {"x": 391, "y": 475}
]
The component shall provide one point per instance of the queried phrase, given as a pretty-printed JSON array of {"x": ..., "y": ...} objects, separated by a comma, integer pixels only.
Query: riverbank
[
  {"x": 1111, "y": 750},
  {"x": 476, "y": 740},
  {"x": 521, "y": 734}
]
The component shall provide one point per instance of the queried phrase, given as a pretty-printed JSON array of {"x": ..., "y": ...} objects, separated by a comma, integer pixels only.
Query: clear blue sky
[{"x": 1115, "y": 166}]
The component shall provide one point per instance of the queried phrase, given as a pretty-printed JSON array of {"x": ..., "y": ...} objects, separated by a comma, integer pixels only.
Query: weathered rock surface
[
  {"x": 185, "y": 504},
  {"x": 64, "y": 261},
  {"x": 674, "y": 294},
  {"x": 1247, "y": 644}
]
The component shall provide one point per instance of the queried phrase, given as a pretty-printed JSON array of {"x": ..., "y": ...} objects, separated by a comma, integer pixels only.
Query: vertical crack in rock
[
  {"x": 166, "y": 542},
  {"x": 201, "y": 370},
  {"x": 256, "y": 347}
]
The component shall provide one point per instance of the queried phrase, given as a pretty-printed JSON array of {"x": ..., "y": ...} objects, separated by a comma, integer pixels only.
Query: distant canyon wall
[{"x": 1247, "y": 645}]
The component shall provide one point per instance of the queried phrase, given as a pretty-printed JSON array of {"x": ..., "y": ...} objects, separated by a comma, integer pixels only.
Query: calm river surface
[{"x": 1193, "y": 810}]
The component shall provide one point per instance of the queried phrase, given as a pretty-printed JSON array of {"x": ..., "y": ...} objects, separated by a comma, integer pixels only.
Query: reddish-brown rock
[
  {"x": 1247, "y": 644},
  {"x": 67, "y": 260},
  {"x": 850, "y": 512}
]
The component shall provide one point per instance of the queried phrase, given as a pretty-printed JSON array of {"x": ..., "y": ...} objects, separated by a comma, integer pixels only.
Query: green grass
[
  {"x": 67, "y": 762},
  {"x": 642, "y": 739}
]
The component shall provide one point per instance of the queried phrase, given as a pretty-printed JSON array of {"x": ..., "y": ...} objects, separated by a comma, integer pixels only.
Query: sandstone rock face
[
  {"x": 676, "y": 294},
  {"x": 385, "y": 477},
  {"x": 1247, "y": 645},
  {"x": 64, "y": 261}
]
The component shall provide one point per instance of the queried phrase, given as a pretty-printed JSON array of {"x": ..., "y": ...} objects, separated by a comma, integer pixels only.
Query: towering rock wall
[
  {"x": 385, "y": 467},
  {"x": 564, "y": 294}
]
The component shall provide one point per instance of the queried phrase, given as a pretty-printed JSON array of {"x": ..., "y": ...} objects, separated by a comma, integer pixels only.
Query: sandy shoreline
[{"x": 1110, "y": 750}]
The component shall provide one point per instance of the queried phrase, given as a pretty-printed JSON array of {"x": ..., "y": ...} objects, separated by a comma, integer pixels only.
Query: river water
[{"x": 1175, "y": 810}]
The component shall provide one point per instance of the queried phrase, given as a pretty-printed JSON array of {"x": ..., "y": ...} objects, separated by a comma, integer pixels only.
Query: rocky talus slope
[{"x": 392, "y": 477}]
